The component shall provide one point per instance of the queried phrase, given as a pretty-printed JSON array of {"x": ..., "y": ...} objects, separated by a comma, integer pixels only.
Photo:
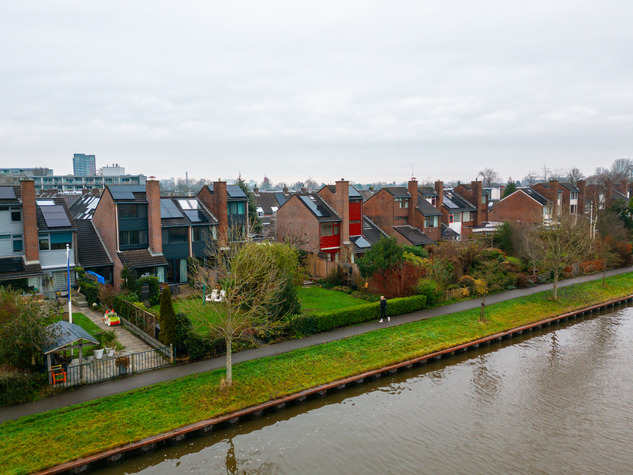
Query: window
[
  {"x": 200, "y": 233},
  {"x": 177, "y": 235},
  {"x": 44, "y": 243},
  {"x": 466, "y": 216},
  {"x": 402, "y": 202},
  {"x": 329, "y": 229},
  {"x": 132, "y": 238},
  {"x": 237, "y": 208},
  {"x": 430, "y": 222},
  {"x": 573, "y": 195},
  {"x": 17, "y": 243},
  {"x": 132, "y": 211},
  {"x": 59, "y": 241},
  {"x": 573, "y": 209},
  {"x": 451, "y": 218},
  {"x": 483, "y": 199},
  {"x": 16, "y": 216}
]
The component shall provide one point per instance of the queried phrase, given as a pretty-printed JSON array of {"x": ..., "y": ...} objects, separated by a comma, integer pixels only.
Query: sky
[{"x": 362, "y": 90}]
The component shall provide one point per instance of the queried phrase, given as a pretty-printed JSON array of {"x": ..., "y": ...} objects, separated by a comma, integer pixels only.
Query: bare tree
[
  {"x": 489, "y": 177},
  {"x": 621, "y": 169},
  {"x": 574, "y": 175},
  {"x": 562, "y": 244},
  {"x": 247, "y": 281},
  {"x": 610, "y": 233},
  {"x": 531, "y": 178}
]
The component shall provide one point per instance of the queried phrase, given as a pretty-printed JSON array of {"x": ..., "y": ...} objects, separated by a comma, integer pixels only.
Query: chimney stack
[
  {"x": 29, "y": 221},
  {"x": 152, "y": 193},
  {"x": 413, "y": 202}
]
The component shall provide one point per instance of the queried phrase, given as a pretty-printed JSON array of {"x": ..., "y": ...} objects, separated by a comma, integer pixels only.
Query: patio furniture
[{"x": 58, "y": 374}]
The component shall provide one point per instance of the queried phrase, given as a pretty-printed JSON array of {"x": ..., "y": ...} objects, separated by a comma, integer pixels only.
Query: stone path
[{"x": 131, "y": 343}]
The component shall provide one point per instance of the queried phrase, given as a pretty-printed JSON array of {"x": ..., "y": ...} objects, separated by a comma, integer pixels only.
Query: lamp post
[{"x": 70, "y": 303}]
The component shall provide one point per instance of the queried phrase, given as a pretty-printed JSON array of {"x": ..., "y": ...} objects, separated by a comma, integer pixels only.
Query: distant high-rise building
[{"x": 84, "y": 165}]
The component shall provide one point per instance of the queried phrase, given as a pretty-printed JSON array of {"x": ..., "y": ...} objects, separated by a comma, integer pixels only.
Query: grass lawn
[
  {"x": 315, "y": 299},
  {"x": 36, "y": 442},
  {"x": 312, "y": 299}
]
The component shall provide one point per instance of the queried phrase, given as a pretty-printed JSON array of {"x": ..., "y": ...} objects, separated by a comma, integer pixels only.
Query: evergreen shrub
[
  {"x": 321, "y": 322},
  {"x": 17, "y": 387}
]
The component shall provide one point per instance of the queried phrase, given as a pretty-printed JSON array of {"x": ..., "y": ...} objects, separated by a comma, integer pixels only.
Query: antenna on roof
[{"x": 412, "y": 174}]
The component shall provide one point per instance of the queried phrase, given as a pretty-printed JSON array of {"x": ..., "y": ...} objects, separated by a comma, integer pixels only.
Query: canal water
[{"x": 556, "y": 401}]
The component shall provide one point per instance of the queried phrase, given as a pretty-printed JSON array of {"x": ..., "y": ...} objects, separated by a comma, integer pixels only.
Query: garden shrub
[
  {"x": 320, "y": 322},
  {"x": 522, "y": 281},
  {"x": 154, "y": 289},
  {"x": 429, "y": 290},
  {"x": 17, "y": 387},
  {"x": 167, "y": 318}
]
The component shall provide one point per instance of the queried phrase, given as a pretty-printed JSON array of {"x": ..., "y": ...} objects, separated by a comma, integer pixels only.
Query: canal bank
[
  {"x": 150, "y": 444},
  {"x": 121, "y": 416}
]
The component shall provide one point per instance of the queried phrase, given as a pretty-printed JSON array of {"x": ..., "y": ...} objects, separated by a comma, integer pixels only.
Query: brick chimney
[
  {"x": 285, "y": 190},
  {"x": 622, "y": 187},
  {"x": 553, "y": 186},
  {"x": 439, "y": 189},
  {"x": 29, "y": 221},
  {"x": 216, "y": 201},
  {"x": 477, "y": 189},
  {"x": 413, "y": 203},
  {"x": 341, "y": 201},
  {"x": 152, "y": 193},
  {"x": 582, "y": 188}
]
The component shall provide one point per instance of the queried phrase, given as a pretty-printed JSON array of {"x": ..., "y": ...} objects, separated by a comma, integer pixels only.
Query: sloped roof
[
  {"x": 85, "y": 206},
  {"x": 616, "y": 195},
  {"x": 128, "y": 193},
  {"x": 42, "y": 209},
  {"x": 371, "y": 232},
  {"x": 233, "y": 192},
  {"x": 318, "y": 207},
  {"x": 455, "y": 202},
  {"x": 141, "y": 258},
  {"x": 184, "y": 211},
  {"x": 353, "y": 192},
  {"x": 10, "y": 195},
  {"x": 414, "y": 235},
  {"x": 90, "y": 249},
  {"x": 448, "y": 234},
  {"x": 64, "y": 334},
  {"x": 16, "y": 268},
  {"x": 427, "y": 190},
  {"x": 267, "y": 200},
  {"x": 360, "y": 243},
  {"x": 366, "y": 194},
  {"x": 569, "y": 186},
  {"x": 532, "y": 193},
  {"x": 398, "y": 191},
  {"x": 426, "y": 208}
]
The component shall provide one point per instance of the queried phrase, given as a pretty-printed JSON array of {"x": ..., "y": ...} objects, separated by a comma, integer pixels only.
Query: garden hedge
[{"x": 321, "y": 322}]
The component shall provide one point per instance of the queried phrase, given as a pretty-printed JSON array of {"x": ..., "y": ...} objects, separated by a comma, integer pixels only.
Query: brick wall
[
  {"x": 517, "y": 207},
  {"x": 297, "y": 225},
  {"x": 154, "y": 234},
  {"x": 29, "y": 221},
  {"x": 216, "y": 203},
  {"x": 105, "y": 221}
]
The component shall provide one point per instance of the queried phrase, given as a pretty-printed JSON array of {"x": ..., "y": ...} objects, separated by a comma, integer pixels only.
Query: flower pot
[
  {"x": 99, "y": 354},
  {"x": 109, "y": 352}
]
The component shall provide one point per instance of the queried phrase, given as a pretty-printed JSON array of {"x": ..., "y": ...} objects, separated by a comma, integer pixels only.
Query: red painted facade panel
[
  {"x": 330, "y": 241},
  {"x": 355, "y": 218}
]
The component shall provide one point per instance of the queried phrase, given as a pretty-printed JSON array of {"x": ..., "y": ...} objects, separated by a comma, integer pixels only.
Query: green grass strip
[{"x": 44, "y": 440}]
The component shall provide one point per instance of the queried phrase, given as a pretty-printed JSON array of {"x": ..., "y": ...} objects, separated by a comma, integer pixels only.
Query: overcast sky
[{"x": 362, "y": 90}]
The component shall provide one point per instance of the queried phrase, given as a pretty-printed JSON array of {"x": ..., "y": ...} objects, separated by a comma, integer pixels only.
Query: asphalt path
[{"x": 140, "y": 380}]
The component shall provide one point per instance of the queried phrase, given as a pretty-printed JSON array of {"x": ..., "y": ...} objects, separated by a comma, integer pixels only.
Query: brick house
[
  {"x": 404, "y": 214},
  {"x": 477, "y": 196},
  {"x": 229, "y": 205},
  {"x": 309, "y": 222},
  {"x": 458, "y": 214},
  {"x": 268, "y": 202},
  {"x": 128, "y": 220},
  {"x": 188, "y": 229},
  {"x": 565, "y": 197},
  {"x": 19, "y": 245},
  {"x": 524, "y": 205}
]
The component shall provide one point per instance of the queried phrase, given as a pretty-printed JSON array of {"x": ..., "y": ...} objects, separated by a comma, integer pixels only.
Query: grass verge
[
  {"x": 314, "y": 299},
  {"x": 36, "y": 442}
]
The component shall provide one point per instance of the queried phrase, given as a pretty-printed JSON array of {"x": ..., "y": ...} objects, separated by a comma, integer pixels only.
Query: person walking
[{"x": 383, "y": 309}]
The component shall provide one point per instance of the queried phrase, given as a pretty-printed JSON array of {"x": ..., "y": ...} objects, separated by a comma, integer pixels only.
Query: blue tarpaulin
[{"x": 99, "y": 278}]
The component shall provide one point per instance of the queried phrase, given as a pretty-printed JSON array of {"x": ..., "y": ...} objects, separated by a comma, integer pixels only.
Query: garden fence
[{"x": 108, "y": 368}]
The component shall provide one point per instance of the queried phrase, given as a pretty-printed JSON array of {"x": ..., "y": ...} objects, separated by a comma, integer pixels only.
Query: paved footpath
[{"x": 107, "y": 388}]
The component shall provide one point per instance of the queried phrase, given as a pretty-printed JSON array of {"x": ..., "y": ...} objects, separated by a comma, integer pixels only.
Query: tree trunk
[
  {"x": 555, "y": 287},
  {"x": 604, "y": 273},
  {"x": 229, "y": 364},
  {"x": 482, "y": 315}
]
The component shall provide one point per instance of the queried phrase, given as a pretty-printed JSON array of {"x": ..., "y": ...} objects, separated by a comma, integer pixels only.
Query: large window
[
  {"x": 430, "y": 222},
  {"x": 329, "y": 229},
  {"x": 402, "y": 202},
  {"x": 132, "y": 211},
  {"x": 238, "y": 207},
  {"x": 200, "y": 233},
  {"x": 132, "y": 238},
  {"x": 18, "y": 246},
  {"x": 176, "y": 235},
  {"x": 16, "y": 216}
]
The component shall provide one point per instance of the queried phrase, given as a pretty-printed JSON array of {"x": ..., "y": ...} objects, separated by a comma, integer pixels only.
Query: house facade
[{"x": 524, "y": 205}]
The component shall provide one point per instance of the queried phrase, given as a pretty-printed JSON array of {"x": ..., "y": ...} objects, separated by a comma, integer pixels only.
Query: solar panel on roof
[
  {"x": 361, "y": 242},
  {"x": 122, "y": 195},
  {"x": 234, "y": 191},
  {"x": 11, "y": 264},
  {"x": 309, "y": 201},
  {"x": 168, "y": 209},
  {"x": 194, "y": 216},
  {"x": 7, "y": 193},
  {"x": 55, "y": 216},
  {"x": 45, "y": 202}
]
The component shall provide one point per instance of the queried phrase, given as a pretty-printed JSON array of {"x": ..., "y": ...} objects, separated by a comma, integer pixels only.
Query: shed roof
[{"x": 65, "y": 334}]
